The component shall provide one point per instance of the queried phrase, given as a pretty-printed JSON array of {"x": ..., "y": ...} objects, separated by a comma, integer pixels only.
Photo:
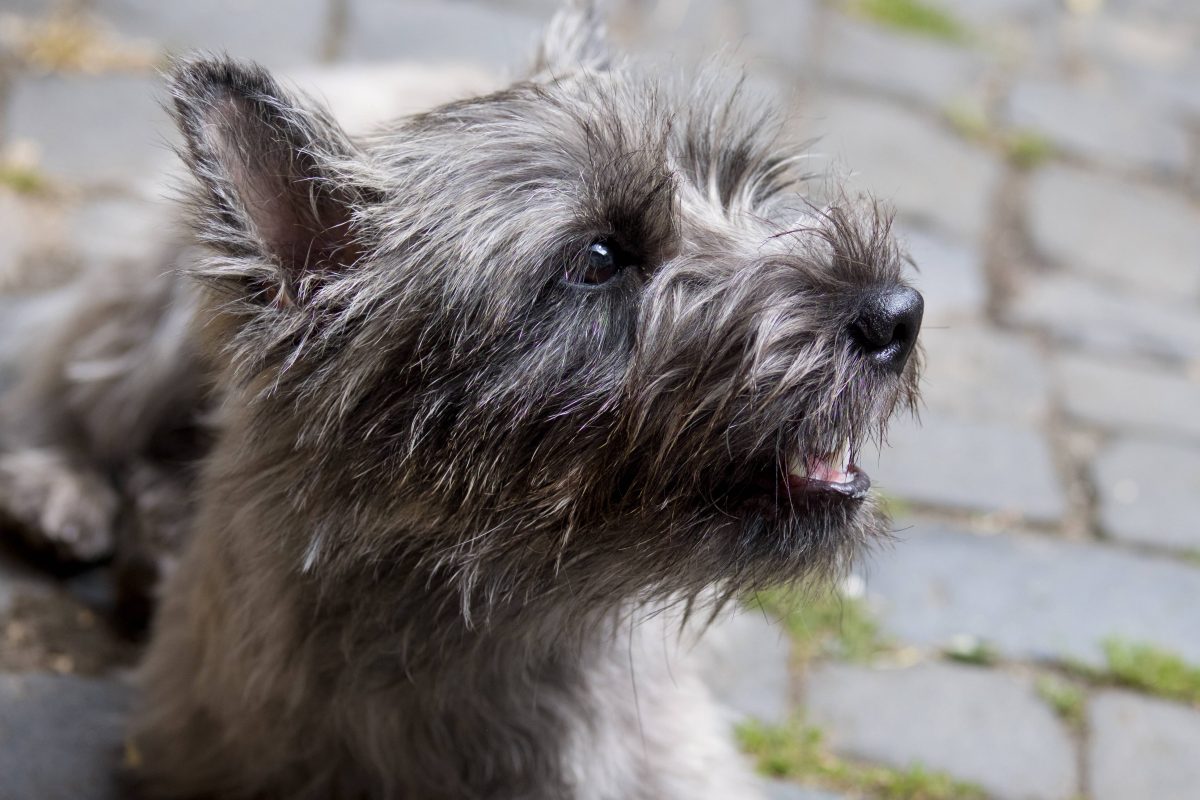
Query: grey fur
[{"x": 452, "y": 504}]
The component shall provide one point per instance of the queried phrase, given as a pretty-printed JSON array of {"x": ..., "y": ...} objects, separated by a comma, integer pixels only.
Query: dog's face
[{"x": 584, "y": 330}]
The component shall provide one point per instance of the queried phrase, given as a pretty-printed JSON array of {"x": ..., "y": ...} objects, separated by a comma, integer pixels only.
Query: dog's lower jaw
[{"x": 257, "y": 688}]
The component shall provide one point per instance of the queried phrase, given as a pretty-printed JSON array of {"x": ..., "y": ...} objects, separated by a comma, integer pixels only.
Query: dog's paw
[{"x": 56, "y": 505}]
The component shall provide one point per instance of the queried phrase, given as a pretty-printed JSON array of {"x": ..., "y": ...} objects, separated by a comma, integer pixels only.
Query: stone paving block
[
  {"x": 1120, "y": 42},
  {"x": 1175, "y": 90},
  {"x": 26, "y": 8},
  {"x": 922, "y": 70},
  {"x": 363, "y": 96},
  {"x": 34, "y": 247},
  {"x": 978, "y": 725},
  {"x": 120, "y": 230},
  {"x": 743, "y": 659},
  {"x": 8, "y": 371},
  {"x": 956, "y": 463},
  {"x": 1109, "y": 322},
  {"x": 107, "y": 129},
  {"x": 1141, "y": 747},
  {"x": 675, "y": 34},
  {"x": 1104, "y": 127},
  {"x": 1030, "y": 597},
  {"x": 14, "y": 238},
  {"x": 60, "y": 737},
  {"x": 1119, "y": 231},
  {"x": 546, "y": 8},
  {"x": 1173, "y": 11},
  {"x": 977, "y": 372},
  {"x": 781, "y": 790},
  {"x": 1118, "y": 395},
  {"x": 767, "y": 36},
  {"x": 276, "y": 33},
  {"x": 991, "y": 11},
  {"x": 438, "y": 32},
  {"x": 1150, "y": 492},
  {"x": 780, "y": 32},
  {"x": 949, "y": 273},
  {"x": 908, "y": 159},
  {"x": 1024, "y": 31}
]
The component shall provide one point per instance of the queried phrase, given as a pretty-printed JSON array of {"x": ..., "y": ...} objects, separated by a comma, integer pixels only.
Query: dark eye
[{"x": 601, "y": 262}]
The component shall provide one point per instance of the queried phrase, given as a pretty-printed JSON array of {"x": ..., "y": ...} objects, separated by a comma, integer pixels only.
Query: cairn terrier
[{"x": 486, "y": 404}]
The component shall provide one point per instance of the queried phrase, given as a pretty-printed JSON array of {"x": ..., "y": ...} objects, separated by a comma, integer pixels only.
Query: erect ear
[
  {"x": 278, "y": 182},
  {"x": 576, "y": 38}
]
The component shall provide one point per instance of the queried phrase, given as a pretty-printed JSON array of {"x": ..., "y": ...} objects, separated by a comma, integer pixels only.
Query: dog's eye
[{"x": 602, "y": 261}]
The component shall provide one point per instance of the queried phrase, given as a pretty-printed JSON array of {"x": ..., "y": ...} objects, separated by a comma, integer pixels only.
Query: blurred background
[{"x": 1034, "y": 629}]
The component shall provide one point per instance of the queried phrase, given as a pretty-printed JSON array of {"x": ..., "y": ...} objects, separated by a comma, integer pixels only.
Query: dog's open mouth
[
  {"x": 830, "y": 475},
  {"x": 801, "y": 480}
]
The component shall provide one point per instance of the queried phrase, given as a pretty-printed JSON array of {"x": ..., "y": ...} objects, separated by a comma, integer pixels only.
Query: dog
[{"x": 456, "y": 424}]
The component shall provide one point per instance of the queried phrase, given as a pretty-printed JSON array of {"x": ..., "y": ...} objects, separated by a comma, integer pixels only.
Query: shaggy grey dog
[{"x": 487, "y": 405}]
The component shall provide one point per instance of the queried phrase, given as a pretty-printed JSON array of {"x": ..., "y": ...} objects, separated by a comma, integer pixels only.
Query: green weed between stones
[
  {"x": 68, "y": 41},
  {"x": 1064, "y": 697},
  {"x": 1024, "y": 149},
  {"x": 970, "y": 122},
  {"x": 912, "y": 16},
  {"x": 1151, "y": 670},
  {"x": 22, "y": 179},
  {"x": 895, "y": 507},
  {"x": 797, "y": 752},
  {"x": 970, "y": 650},
  {"x": 823, "y": 623}
]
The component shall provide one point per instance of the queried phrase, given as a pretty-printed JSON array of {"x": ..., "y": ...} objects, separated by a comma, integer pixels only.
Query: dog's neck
[{"x": 515, "y": 689}]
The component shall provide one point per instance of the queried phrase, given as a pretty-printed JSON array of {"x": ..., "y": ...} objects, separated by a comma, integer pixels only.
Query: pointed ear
[
  {"x": 278, "y": 183},
  {"x": 575, "y": 39}
]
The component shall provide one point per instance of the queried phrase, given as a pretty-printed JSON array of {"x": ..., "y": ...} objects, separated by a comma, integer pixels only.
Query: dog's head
[{"x": 584, "y": 332}]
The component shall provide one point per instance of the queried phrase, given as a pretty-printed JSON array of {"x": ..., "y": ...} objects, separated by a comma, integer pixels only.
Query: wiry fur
[{"x": 451, "y": 494}]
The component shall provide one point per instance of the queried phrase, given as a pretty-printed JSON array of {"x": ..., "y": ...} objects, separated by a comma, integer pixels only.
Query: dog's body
[{"x": 486, "y": 406}]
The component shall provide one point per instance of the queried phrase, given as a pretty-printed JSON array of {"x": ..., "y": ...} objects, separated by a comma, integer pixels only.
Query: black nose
[{"x": 887, "y": 325}]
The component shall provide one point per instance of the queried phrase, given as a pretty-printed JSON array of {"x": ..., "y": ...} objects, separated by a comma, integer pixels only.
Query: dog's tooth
[
  {"x": 797, "y": 465},
  {"x": 842, "y": 460}
]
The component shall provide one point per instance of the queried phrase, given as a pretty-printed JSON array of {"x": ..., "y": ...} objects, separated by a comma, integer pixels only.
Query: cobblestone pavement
[{"x": 1032, "y": 627}]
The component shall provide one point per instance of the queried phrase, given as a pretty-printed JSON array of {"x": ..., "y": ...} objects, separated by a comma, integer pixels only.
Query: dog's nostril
[{"x": 887, "y": 324}]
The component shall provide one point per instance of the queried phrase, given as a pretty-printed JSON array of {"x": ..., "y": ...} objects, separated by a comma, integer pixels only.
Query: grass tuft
[
  {"x": 797, "y": 752},
  {"x": 913, "y": 16},
  {"x": 1151, "y": 670},
  {"x": 1064, "y": 697},
  {"x": 895, "y": 507},
  {"x": 69, "y": 41},
  {"x": 823, "y": 623},
  {"x": 970, "y": 650},
  {"x": 1026, "y": 150},
  {"x": 970, "y": 123},
  {"x": 22, "y": 179}
]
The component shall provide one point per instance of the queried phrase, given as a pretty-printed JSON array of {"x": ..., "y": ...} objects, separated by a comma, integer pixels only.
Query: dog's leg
[
  {"x": 58, "y": 504},
  {"x": 100, "y": 426}
]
